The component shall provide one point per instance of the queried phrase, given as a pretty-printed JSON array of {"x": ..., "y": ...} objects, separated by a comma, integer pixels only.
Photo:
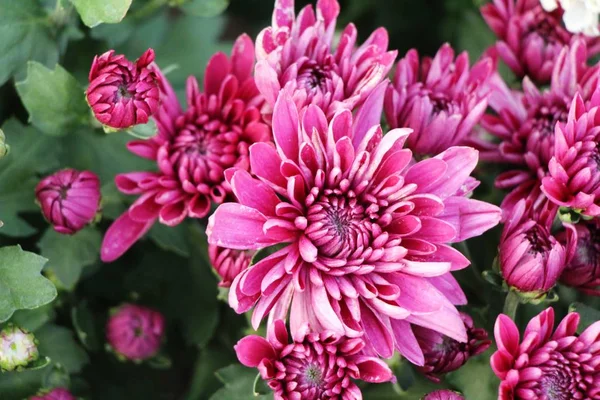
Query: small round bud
[
  {"x": 17, "y": 348},
  {"x": 54, "y": 394}
]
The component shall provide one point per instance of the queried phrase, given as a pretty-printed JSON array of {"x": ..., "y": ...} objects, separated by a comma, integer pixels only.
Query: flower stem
[{"x": 511, "y": 303}]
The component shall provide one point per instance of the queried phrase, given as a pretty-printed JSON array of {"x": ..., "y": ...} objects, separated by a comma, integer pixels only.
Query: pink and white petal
[{"x": 236, "y": 226}]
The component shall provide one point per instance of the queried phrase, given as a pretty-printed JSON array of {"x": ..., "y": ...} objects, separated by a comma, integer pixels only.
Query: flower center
[
  {"x": 314, "y": 77},
  {"x": 122, "y": 92},
  {"x": 557, "y": 384},
  {"x": 544, "y": 25},
  {"x": 539, "y": 240},
  {"x": 313, "y": 375}
]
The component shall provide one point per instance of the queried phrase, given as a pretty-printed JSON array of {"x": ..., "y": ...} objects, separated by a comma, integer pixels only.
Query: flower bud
[
  {"x": 121, "y": 93},
  {"x": 69, "y": 199},
  {"x": 444, "y": 354},
  {"x": 583, "y": 270},
  {"x": 4, "y": 148},
  {"x": 443, "y": 395},
  {"x": 54, "y": 394},
  {"x": 135, "y": 332},
  {"x": 18, "y": 348},
  {"x": 228, "y": 263}
]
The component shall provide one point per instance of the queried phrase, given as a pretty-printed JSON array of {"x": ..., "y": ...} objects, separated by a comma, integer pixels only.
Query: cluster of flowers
[{"x": 357, "y": 225}]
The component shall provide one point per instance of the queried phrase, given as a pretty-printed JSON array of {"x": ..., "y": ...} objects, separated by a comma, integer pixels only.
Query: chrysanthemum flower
[
  {"x": 441, "y": 99},
  {"x": 546, "y": 365},
  {"x": 530, "y": 39},
  {"x": 69, "y": 199},
  {"x": 583, "y": 271},
  {"x": 444, "y": 354},
  {"x": 297, "y": 54},
  {"x": 525, "y": 122},
  {"x": 55, "y": 394},
  {"x": 574, "y": 179},
  {"x": 228, "y": 263},
  {"x": 122, "y": 93},
  {"x": 580, "y": 16},
  {"x": 135, "y": 332},
  {"x": 366, "y": 229},
  {"x": 531, "y": 259},
  {"x": 18, "y": 347},
  {"x": 192, "y": 149},
  {"x": 443, "y": 395},
  {"x": 314, "y": 366}
]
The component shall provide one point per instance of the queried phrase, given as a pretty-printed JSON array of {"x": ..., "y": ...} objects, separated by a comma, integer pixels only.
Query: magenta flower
[
  {"x": 524, "y": 123},
  {"x": 546, "y": 365},
  {"x": 583, "y": 270},
  {"x": 55, "y": 394},
  {"x": 122, "y": 93},
  {"x": 69, "y": 199},
  {"x": 298, "y": 55},
  {"x": 531, "y": 259},
  {"x": 444, "y": 354},
  {"x": 135, "y": 332},
  {"x": 192, "y": 149},
  {"x": 574, "y": 179},
  {"x": 530, "y": 39},
  {"x": 440, "y": 99},
  {"x": 443, "y": 395},
  {"x": 228, "y": 263},
  {"x": 315, "y": 366},
  {"x": 365, "y": 227}
]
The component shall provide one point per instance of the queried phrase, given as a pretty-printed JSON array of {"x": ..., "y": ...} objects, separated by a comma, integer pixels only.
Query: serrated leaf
[
  {"x": 239, "y": 384},
  {"x": 32, "y": 153},
  {"x": 68, "y": 254},
  {"x": 205, "y": 8},
  {"x": 587, "y": 314},
  {"x": 143, "y": 131},
  {"x": 96, "y": 12},
  {"x": 54, "y": 99},
  {"x": 25, "y": 34},
  {"x": 21, "y": 284},
  {"x": 59, "y": 344}
]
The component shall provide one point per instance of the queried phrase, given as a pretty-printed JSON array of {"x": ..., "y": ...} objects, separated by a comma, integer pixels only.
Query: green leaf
[
  {"x": 205, "y": 8},
  {"x": 173, "y": 239},
  {"x": 143, "y": 131},
  {"x": 31, "y": 154},
  {"x": 485, "y": 387},
  {"x": 203, "y": 381},
  {"x": 54, "y": 99},
  {"x": 95, "y": 12},
  {"x": 22, "y": 384},
  {"x": 33, "y": 319},
  {"x": 26, "y": 34},
  {"x": 587, "y": 314},
  {"x": 68, "y": 254},
  {"x": 239, "y": 384},
  {"x": 59, "y": 344},
  {"x": 85, "y": 327},
  {"x": 21, "y": 284}
]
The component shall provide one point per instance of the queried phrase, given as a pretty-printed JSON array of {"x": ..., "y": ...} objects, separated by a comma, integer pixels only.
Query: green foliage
[
  {"x": 21, "y": 285},
  {"x": 143, "y": 131},
  {"x": 239, "y": 384},
  {"x": 54, "y": 99},
  {"x": 485, "y": 387},
  {"x": 587, "y": 314},
  {"x": 205, "y": 8},
  {"x": 58, "y": 343},
  {"x": 95, "y": 12}
]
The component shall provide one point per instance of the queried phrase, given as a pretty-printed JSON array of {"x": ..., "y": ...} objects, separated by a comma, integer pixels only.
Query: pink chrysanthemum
[
  {"x": 546, "y": 365},
  {"x": 122, "y": 93},
  {"x": 574, "y": 179},
  {"x": 443, "y": 395},
  {"x": 366, "y": 228},
  {"x": 530, "y": 39},
  {"x": 228, "y": 263},
  {"x": 192, "y": 149},
  {"x": 69, "y": 199},
  {"x": 441, "y": 99},
  {"x": 531, "y": 258},
  {"x": 444, "y": 354},
  {"x": 55, "y": 394},
  {"x": 315, "y": 366},
  {"x": 524, "y": 123},
  {"x": 298, "y": 55},
  {"x": 135, "y": 332},
  {"x": 583, "y": 271}
]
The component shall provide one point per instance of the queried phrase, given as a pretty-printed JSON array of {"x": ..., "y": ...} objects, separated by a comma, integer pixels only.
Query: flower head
[
  {"x": 55, "y": 394},
  {"x": 364, "y": 228},
  {"x": 574, "y": 178},
  {"x": 580, "y": 16},
  {"x": 583, "y": 270},
  {"x": 530, "y": 39},
  {"x": 228, "y": 263},
  {"x": 135, "y": 332},
  {"x": 18, "y": 347},
  {"x": 547, "y": 365},
  {"x": 297, "y": 54},
  {"x": 314, "y": 366},
  {"x": 525, "y": 121},
  {"x": 441, "y": 99},
  {"x": 193, "y": 148},
  {"x": 443, "y": 395},
  {"x": 122, "y": 93},
  {"x": 444, "y": 354},
  {"x": 69, "y": 199}
]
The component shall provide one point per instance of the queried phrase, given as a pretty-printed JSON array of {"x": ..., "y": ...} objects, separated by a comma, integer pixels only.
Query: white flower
[
  {"x": 580, "y": 16},
  {"x": 17, "y": 348}
]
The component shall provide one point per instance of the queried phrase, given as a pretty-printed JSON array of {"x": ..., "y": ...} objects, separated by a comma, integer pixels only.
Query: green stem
[{"x": 511, "y": 304}]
